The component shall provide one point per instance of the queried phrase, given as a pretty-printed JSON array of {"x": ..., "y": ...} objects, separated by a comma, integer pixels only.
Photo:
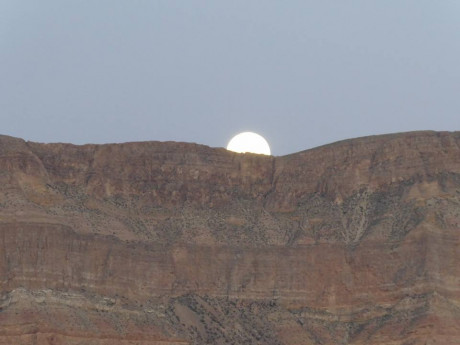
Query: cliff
[{"x": 355, "y": 242}]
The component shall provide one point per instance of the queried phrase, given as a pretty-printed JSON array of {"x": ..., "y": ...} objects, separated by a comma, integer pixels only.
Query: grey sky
[{"x": 300, "y": 73}]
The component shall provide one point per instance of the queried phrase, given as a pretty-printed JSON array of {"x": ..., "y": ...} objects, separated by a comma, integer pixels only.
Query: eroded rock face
[{"x": 355, "y": 242}]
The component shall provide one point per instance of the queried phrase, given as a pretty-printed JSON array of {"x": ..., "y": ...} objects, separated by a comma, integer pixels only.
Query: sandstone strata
[{"x": 355, "y": 242}]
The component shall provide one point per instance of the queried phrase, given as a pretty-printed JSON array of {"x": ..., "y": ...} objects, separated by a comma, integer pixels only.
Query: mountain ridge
[{"x": 348, "y": 243}]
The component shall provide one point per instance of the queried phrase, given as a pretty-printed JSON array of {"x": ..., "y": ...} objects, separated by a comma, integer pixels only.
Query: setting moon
[{"x": 249, "y": 142}]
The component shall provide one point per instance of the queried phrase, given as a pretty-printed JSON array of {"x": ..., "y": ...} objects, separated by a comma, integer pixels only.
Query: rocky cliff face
[{"x": 356, "y": 242}]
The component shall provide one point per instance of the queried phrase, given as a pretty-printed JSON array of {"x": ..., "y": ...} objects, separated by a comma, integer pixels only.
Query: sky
[{"x": 300, "y": 73}]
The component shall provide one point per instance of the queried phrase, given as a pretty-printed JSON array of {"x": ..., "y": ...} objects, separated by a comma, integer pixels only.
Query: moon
[{"x": 249, "y": 142}]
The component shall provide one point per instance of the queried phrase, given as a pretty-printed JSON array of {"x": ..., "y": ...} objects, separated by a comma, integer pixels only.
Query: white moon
[{"x": 249, "y": 142}]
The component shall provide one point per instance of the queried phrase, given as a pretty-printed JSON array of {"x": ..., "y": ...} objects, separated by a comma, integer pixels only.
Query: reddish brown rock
[{"x": 356, "y": 242}]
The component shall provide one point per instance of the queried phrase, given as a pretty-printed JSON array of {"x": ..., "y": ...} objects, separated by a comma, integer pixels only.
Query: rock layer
[{"x": 355, "y": 242}]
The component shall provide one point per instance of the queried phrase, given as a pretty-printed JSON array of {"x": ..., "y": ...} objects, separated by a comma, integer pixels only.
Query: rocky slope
[{"x": 356, "y": 242}]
